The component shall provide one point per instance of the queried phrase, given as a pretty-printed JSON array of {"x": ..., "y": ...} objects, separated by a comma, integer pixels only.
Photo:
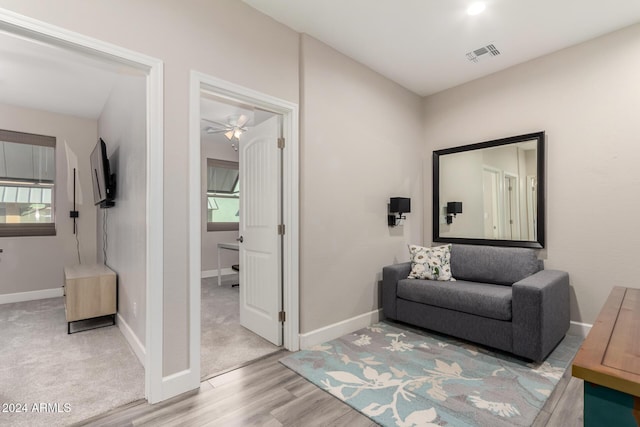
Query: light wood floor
[{"x": 266, "y": 393}]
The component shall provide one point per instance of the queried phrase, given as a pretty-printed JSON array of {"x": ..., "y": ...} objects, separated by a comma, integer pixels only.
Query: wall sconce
[
  {"x": 453, "y": 208},
  {"x": 397, "y": 207}
]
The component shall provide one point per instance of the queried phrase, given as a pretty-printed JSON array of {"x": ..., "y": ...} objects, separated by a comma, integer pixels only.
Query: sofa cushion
[
  {"x": 490, "y": 264},
  {"x": 430, "y": 263},
  {"x": 481, "y": 299}
]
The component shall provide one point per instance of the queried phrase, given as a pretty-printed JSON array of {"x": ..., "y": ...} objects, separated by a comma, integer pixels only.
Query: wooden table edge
[{"x": 587, "y": 364}]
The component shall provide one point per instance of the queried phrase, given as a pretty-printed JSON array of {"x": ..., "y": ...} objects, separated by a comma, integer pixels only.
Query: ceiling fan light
[
  {"x": 476, "y": 8},
  {"x": 229, "y": 135},
  {"x": 236, "y": 133},
  {"x": 242, "y": 120}
]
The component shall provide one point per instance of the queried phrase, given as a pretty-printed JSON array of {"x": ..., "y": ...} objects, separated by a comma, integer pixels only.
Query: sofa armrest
[
  {"x": 391, "y": 274},
  {"x": 540, "y": 313}
]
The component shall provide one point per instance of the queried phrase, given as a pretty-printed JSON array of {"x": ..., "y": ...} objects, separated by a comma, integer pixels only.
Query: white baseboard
[
  {"x": 579, "y": 329},
  {"x": 179, "y": 383},
  {"x": 132, "y": 339},
  {"x": 328, "y": 333},
  {"x": 214, "y": 273},
  {"x": 31, "y": 296},
  {"x": 339, "y": 329}
]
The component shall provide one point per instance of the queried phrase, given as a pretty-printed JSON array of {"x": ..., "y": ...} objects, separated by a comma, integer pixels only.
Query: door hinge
[
  {"x": 281, "y": 316},
  {"x": 281, "y": 229},
  {"x": 281, "y": 143}
]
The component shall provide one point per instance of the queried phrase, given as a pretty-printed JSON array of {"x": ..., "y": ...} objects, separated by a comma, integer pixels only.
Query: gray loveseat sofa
[{"x": 502, "y": 298}]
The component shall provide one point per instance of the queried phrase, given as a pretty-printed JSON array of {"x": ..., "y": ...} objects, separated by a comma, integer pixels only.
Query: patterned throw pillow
[{"x": 430, "y": 263}]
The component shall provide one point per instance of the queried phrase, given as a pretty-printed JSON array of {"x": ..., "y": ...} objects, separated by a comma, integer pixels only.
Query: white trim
[
  {"x": 178, "y": 383},
  {"x": 60, "y": 37},
  {"x": 192, "y": 375},
  {"x": 339, "y": 329},
  {"x": 289, "y": 111},
  {"x": 155, "y": 235},
  {"x": 336, "y": 330},
  {"x": 290, "y": 206},
  {"x": 214, "y": 273},
  {"x": 579, "y": 329},
  {"x": 31, "y": 296},
  {"x": 132, "y": 339}
]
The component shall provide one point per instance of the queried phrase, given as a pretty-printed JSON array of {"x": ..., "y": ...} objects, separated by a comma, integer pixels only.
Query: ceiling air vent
[{"x": 483, "y": 53}]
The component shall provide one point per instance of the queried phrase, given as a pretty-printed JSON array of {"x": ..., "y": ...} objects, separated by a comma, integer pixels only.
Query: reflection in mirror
[{"x": 496, "y": 190}]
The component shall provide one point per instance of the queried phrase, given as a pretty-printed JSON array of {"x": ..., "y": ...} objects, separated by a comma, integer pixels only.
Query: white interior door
[
  {"x": 260, "y": 243},
  {"x": 531, "y": 206},
  {"x": 511, "y": 207},
  {"x": 490, "y": 199}
]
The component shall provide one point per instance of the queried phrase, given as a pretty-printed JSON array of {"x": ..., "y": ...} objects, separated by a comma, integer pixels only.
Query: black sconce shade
[
  {"x": 454, "y": 207},
  {"x": 400, "y": 204},
  {"x": 397, "y": 207}
]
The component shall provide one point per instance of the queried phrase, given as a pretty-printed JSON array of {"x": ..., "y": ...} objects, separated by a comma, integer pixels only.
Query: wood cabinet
[
  {"x": 90, "y": 291},
  {"x": 609, "y": 363}
]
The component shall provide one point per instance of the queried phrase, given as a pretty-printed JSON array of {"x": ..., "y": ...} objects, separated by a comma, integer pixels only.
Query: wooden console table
[
  {"x": 609, "y": 363},
  {"x": 89, "y": 292}
]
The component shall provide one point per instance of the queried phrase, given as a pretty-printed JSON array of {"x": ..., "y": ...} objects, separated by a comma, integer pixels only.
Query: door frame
[
  {"x": 497, "y": 200},
  {"x": 157, "y": 388},
  {"x": 514, "y": 197},
  {"x": 290, "y": 202}
]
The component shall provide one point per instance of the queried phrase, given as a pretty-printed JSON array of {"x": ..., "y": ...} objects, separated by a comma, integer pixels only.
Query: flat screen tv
[{"x": 104, "y": 183}]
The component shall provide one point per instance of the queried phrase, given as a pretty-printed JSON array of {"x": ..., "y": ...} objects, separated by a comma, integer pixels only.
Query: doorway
[
  {"x": 270, "y": 227},
  {"x": 47, "y": 34},
  {"x": 239, "y": 209}
]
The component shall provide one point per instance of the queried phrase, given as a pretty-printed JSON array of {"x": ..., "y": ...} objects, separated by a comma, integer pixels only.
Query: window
[
  {"x": 223, "y": 195},
  {"x": 27, "y": 184}
]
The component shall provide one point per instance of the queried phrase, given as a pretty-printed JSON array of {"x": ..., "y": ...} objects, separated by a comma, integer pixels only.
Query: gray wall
[
  {"x": 361, "y": 144},
  {"x": 37, "y": 263},
  {"x": 587, "y": 100},
  {"x": 122, "y": 125}
]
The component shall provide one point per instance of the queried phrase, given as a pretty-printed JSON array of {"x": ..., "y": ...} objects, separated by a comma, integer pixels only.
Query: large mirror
[{"x": 490, "y": 193}]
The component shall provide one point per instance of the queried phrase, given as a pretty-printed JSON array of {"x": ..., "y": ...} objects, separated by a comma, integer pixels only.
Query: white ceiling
[
  {"x": 41, "y": 76},
  {"x": 422, "y": 44},
  {"x": 226, "y": 112},
  {"x": 44, "y": 77}
]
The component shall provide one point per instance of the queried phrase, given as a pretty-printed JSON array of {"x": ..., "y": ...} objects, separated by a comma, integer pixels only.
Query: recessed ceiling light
[{"x": 476, "y": 8}]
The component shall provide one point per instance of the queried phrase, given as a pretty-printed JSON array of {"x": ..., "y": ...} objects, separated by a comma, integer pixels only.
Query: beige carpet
[
  {"x": 224, "y": 343},
  {"x": 58, "y": 378}
]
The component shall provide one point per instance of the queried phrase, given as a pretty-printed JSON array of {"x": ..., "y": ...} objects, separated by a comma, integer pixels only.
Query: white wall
[
  {"x": 207, "y": 36},
  {"x": 587, "y": 99},
  {"x": 465, "y": 167},
  {"x": 36, "y": 263},
  {"x": 213, "y": 148},
  {"x": 361, "y": 145},
  {"x": 503, "y": 158},
  {"x": 122, "y": 125}
]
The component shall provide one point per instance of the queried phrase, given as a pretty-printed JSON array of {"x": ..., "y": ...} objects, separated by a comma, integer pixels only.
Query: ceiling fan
[{"x": 232, "y": 129}]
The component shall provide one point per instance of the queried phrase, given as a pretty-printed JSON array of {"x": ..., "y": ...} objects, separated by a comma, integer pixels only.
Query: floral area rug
[{"x": 401, "y": 377}]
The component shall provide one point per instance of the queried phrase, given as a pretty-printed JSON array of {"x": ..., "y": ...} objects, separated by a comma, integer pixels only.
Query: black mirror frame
[{"x": 541, "y": 206}]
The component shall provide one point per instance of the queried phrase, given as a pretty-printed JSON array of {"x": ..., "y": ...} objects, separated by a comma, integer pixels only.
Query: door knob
[{"x": 240, "y": 239}]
